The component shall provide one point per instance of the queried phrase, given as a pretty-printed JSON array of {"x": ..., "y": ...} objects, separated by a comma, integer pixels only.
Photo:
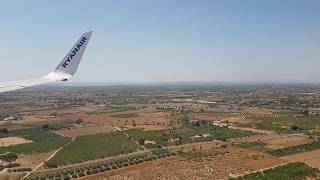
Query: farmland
[
  {"x": 296, "y": 149},
  {"x": 274, "y": 122},
  {"x": 105, "y": 166},
  {"x": 181, "y": 132},
  {"x": 42, "y": 141},
  {"x": 286, "y": 172},
  {"x": 127, "y": 115},
  {"x": 93, "y": 147},
  {"x": 251, "y": 144},
  {"x": 187, "y": 135},
  {"x": 2, "y": 151},
  {"x": 84, "y": 130},
  {"x": 9, "y": 141}
]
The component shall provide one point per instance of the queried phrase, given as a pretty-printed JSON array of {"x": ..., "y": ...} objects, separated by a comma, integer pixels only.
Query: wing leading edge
[{"x": 65, "y": 70}]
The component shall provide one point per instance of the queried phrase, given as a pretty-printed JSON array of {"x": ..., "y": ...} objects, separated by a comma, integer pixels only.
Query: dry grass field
[
  {"x": 235, "y": 162},
  {"x": 8, "y": 141},
  {"x": 33, "y": 160},
  {"x": 311, "y": 158},
  {"x": 85, "y": 130},
  {"x": 284, "y": 142}
]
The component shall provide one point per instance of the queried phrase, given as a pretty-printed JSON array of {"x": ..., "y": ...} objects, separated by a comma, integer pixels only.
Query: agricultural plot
[
  {"x": 187, "y": 135},
  {"x": 290, "y": 171},
  {"x": 55, "y": 125},
  {"x": 250, "y": 145},
  {"x": 287, "y": 141},
  {"x": 295, "y": 149},
  {"x": 212, "y": 116},
  {"x": 8, "y": 141},
  {"x": 104, "y": 166},
  {"x": 2, "y": 151},
  {"x": 85, "y": 130},
  {"x": 276, "y": 122},
  {"x": 93, "y": 147},
  {"x": 116, "y": 109},
  {"x": 8, "y": 157},
  {"x": 43, "y": 141},
  {"x": 125, "y": 115}
]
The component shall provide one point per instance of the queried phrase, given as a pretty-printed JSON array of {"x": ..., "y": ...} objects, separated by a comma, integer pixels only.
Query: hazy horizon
[
  {"x": 165, "y": 41},
  {"x": 196, "y": 83}
]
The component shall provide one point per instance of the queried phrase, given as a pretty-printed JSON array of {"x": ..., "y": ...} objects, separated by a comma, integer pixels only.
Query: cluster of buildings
[
  {"x": 9, "y": 117},
  {"x": 220, "y": 124},
  {"x": 194, "y": 123}
]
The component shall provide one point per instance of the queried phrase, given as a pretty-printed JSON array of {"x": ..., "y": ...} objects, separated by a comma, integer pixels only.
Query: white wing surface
[{"x": 65, "y": 70}]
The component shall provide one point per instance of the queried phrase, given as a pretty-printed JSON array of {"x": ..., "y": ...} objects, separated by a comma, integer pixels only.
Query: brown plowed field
[
  {"x": 85, "y": 130},
  {"x": 8, "y": 141},
  {"x": 311, "y": 158}
]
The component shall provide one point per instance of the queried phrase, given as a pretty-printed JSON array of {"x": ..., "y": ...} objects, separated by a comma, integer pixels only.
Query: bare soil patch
[
  {"x": 8, "y": 141},
  {"x": 236, "y": 161},
  {"x": 85, "y": 130},
  {"x": 283, "y": 142},
  {"x": 32, "y": 160},
  {"x": 11, "y": 177},
  {"x": 145, "y": 118},
  {"x": 35, "y": 119},
  {"x": 311, "y": 158}
]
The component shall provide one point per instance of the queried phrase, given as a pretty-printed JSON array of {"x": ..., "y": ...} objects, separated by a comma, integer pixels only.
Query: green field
[
  {"x": 8, "y": 157},
  {"x": 125, "y": 115},
  {"x": 93, "y": 147},
  {"x": 43, "y": 141},
  {"x": 291, "y": 171},
  {"x": 105, "y": 166},
  {"x": 295, "y": 149},
  {"x": 2, "y": 151},
  {"x": 186, "y": 135}
]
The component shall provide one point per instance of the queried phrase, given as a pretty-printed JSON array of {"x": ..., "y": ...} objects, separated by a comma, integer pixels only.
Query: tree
[
  {"x": 9, "y": 157},
  {"x": 79, "y": 121},
  {"x": 46, "y": 127},
  {"x": 185, "y": 121},
  {"x": 141, "y": 141}
]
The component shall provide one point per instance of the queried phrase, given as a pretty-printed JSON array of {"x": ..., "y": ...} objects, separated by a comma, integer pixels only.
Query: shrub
[{"x": 81, "y": 174}]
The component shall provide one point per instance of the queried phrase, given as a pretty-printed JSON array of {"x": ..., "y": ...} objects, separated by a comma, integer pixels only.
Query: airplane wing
[{"x": 65, "y": 70}]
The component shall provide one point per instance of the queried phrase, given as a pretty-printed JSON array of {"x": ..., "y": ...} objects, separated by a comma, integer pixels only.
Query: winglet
[{"x": 69, "y": 65}]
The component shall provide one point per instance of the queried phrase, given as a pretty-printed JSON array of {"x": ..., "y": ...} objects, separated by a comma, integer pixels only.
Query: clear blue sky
[{"x": 164, "y": 40}]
